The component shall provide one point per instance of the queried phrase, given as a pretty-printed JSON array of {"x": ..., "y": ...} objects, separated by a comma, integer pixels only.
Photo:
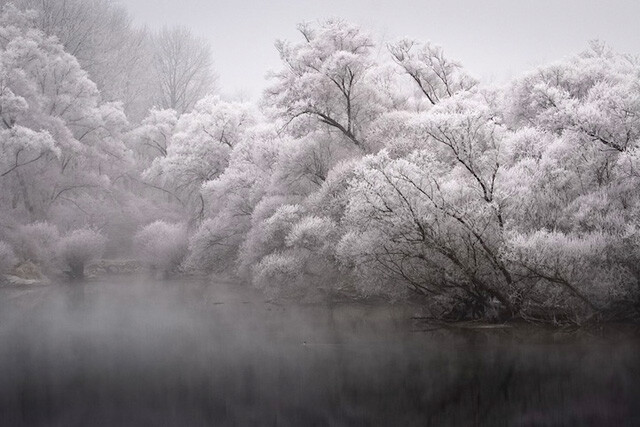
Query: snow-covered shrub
[
  {"x": 79, "y": 247},
  {"x": 162, "y": 246},
  {"x": 304, "y": 263},
  {"x": 312, "y": 233},
  {"x": 7, "y": 258},
  {"x": 214, "y": 246},
  {"x": 280, "y": 274},
  {"x": 36, "y": 242},
  {"x": 271, "y": 223}
]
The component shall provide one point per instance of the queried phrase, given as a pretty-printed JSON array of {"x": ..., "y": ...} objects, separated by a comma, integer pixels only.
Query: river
[{"x": 125, "y": 351}]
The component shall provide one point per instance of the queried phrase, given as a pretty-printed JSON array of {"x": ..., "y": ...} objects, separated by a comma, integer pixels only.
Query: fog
[
  {"x": 355, "y": 227},
  {"x": 132, "y": 351}
]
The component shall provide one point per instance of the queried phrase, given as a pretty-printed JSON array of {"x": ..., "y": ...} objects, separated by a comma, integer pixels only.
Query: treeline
[
  {"x": 76, "y": 77},
  {"x": 364, "y": 170}
]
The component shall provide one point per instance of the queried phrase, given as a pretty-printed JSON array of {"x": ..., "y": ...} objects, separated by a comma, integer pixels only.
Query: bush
[
  {"x": 79, "y": 247},
  {"x": 162, "y": 245},
  {"x": 280, "y": 275},
  {"x": 7, "y": 258},
  {"x": 214, "y": 246},
  {"x": 304, "y": 265},
  {"x": 36, "y": 242}
]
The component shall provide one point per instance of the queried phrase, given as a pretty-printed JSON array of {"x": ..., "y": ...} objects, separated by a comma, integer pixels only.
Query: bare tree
[{"x": 184, "y": 68}]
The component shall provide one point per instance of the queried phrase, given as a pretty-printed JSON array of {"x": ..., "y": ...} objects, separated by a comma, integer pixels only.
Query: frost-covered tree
[
  {"x": 232, "y": 200},
  {"x": 591, "y": 95},
  {"x": 78, "y": 248},
  {"x": 61, "y": 146},
  {"x": 36, "y": 242},
  {"x": 325, "y": 82},
  {"x": 162, "y": 246},
  {"x": 522, "y": 200},
  {"x": 323, "y": 102},
  {"x": 572, "y": 182},
  {"x": 432, "y": 220},
  {"x": 437, "y": 76},
  {"x": 183, "y": 67},
  {"x": 384, "y": 172},
  {"x": 305, "y": 263},
  {"x": 152, "y": 137},
  {"x": 7, "y": 259},
  {"x": 101, "y": 36},
  {"x": 199, "y": 150}
]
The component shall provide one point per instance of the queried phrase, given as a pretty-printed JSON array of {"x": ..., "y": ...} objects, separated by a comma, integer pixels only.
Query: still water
[{"x": 125, "y": 351}]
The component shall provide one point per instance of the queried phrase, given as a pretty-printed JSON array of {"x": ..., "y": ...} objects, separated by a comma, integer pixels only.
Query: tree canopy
[{"x": 364, "y": 170}]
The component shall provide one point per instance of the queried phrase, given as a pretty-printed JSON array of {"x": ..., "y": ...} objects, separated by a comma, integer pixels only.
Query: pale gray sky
[{"x": 494, "y": 39}]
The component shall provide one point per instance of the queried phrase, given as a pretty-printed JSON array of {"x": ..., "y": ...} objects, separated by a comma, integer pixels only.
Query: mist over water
[
  {"x": 370, "y": 170},
  {"x": 125, "y": 351}
]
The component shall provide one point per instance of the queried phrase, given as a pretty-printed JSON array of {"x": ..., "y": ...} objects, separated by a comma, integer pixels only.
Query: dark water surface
[{"x": 125, "y": 351}]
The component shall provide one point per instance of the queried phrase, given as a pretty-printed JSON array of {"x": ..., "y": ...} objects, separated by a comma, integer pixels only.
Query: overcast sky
[{"x": 493, "y": 39}]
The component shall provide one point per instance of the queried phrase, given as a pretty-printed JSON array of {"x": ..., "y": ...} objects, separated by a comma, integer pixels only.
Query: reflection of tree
[{"x": 253, "y": 369}]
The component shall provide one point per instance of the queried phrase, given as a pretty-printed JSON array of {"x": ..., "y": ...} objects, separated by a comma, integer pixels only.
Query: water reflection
[{"x": 167, "y": 353}]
